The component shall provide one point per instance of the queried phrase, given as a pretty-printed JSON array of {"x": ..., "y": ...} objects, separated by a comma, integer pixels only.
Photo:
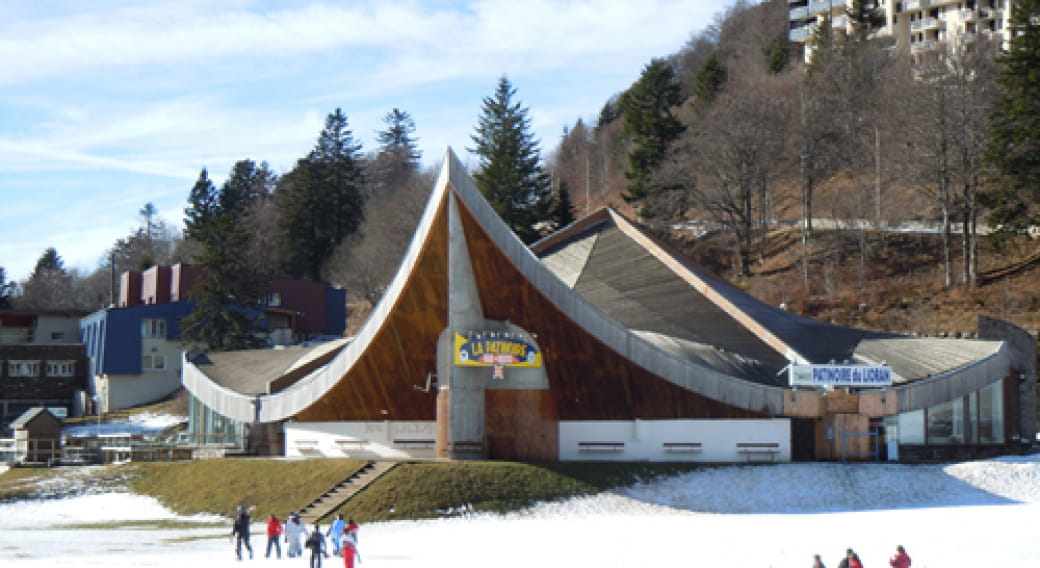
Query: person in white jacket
[{"x": 295, "y": 531}]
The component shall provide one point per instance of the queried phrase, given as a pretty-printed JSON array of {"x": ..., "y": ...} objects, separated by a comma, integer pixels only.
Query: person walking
[
  {"x": 294, "y": 532},
  {"x": 348, "y": 546},
  {"x": 850, "y": 560},
  {"x": 817, "y": 562},
  {"x": 352, "y": 528},
  {"x": 240, "y": 532},
  {"x": 316, "y": 544},
  {"x": 335, "y": 530},
  {"x": 274, "y": 531},
  {"x": 901, "y": 558}
]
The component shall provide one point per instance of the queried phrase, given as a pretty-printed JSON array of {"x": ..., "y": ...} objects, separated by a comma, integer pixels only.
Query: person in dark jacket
[
  {"x": 851, "y": 560},
  {"x": 240, "y": 532},
  {"x": 316, "y": 544}
]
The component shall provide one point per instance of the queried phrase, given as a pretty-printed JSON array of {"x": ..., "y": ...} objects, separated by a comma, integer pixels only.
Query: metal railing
[{"x": 801, "y": 13}]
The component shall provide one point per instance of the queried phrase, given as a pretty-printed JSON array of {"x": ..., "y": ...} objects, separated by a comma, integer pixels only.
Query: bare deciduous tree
[{"x": 734, "y": 152}]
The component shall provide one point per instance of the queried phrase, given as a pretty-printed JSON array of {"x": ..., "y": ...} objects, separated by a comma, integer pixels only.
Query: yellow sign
[{"x": 490, "y": 351}]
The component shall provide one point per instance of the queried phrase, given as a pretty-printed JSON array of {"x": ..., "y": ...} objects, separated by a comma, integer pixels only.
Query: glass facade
[
  {"x": 974, "y": 419},
  {"x": 208, "y": 427}
]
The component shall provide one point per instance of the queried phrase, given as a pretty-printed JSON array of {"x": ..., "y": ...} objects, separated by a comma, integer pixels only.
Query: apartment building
[
  {"x": 42, "y": 363},
  {"x": 918, "y": 26}
]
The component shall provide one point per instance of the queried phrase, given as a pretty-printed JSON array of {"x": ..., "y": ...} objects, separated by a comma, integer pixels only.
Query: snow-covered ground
[{"x": 967, "y": 514}]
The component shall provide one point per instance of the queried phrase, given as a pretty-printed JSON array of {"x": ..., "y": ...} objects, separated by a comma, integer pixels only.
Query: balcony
[
  {"x": 927, "y": 24},
  {"x": 923, "y": 46},
  {"x": 824, "y": 6},
  {"x": 799, "y": 14},
  {"x": 801, "y": 34}
]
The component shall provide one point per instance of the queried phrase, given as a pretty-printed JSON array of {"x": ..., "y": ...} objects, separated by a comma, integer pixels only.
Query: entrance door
[{"x": 803, "y": 439}]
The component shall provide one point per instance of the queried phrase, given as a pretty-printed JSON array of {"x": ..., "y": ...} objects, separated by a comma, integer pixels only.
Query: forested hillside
[
  {"x": 889, "y": 159},
  {"x": 857, "y": 188}
]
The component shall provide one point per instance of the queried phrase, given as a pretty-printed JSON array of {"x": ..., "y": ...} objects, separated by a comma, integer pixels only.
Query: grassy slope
[{"x": 411, "y": 491}]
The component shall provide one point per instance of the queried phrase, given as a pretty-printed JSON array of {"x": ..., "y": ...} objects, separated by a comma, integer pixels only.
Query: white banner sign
[{"x": 840, "y": 375}]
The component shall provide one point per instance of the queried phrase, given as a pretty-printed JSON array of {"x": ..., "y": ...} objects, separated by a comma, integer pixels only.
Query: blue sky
[{"x": 108, "y": 105}]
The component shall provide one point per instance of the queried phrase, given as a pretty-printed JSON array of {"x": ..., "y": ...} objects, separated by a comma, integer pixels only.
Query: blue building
[{"x": 134, "y": 350}]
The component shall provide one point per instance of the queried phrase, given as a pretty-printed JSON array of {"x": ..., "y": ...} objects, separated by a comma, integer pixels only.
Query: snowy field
[{"x": 967, "y": 514}]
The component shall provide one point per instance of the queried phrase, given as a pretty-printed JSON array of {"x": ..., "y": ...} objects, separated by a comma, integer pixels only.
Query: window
[
  {"x": 61, "y": 368},
  {"x": 153, "y": 362},
  {"x": 23, "y": 368},
  {"x": 991, "y": 414},
  {"x": 273, "y": 300},
  {"x": 57, "y": 336},
  {"x": 153, "y": 328},
  {"x": 945, "y": 423}
]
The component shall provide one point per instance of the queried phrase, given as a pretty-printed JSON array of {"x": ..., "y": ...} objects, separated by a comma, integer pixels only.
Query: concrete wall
[
  {"x": 1022, "y": 346},
  {"x": 124, "y": 391},
  {"x": 644, "y": 440},
  {"x": 369, "y": 440}
]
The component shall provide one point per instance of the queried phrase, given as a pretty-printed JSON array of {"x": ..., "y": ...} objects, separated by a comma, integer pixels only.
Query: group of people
[
  {"x": 342, "y": 534},
  {"x": 851, "y": 560}
]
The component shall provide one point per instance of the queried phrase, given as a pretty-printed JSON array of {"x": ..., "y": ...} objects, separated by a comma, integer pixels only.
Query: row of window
[
  {"x": 977, "y": 418},
  {"x": 31, "y": 368},
  {"x": 153, "y": 328}
]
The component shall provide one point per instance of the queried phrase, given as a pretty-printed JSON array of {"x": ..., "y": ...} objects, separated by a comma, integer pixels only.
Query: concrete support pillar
[{"x": 460, "y": 402}]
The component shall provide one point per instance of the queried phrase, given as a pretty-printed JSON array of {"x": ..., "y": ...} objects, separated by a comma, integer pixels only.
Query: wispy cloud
[{"x": 141, "y": 95}]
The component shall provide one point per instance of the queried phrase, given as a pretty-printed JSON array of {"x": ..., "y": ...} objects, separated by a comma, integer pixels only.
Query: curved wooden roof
[{"x": 628, "y": 329}]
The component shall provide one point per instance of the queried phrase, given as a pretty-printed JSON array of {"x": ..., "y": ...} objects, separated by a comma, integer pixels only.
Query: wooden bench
[
  {"x": 414, "y": 443},
  {"x": 601, "y": 447},
  {"x": 750, "y": 449},
  {"x": 468, "y": 446},
  {"x": 306, "y": 444},
  {"x": 682, "y": 447},
  {"x": 351, "y": 444}
]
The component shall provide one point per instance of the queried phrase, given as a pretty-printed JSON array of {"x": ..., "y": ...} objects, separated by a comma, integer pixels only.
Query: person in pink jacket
[{"x": 901, "y": 559}]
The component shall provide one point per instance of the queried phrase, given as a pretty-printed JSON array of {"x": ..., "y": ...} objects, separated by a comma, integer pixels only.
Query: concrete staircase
[{"x": 344, "y": 490}]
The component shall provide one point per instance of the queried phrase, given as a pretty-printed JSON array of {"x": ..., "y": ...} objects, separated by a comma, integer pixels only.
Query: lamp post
[{"x": 97, "y": 408}]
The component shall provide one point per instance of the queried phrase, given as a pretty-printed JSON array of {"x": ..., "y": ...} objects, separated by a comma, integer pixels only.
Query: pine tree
[
  {"x": 1014, "y": 148},
  {"x": 511, "y": 175},
  {"x": 49, "y": 287},
  {"x": 227, "y": 295},
  {"x": 864, "y": 18},
  {"x": 398, "y": 157},
  {"x": 710, "y": 79},
  {"x": 562, "y": 207},
  {"x": 647, "y": 111},
  {"x": 778, "y": 55},
  {"x": 202, "y": 205},
  {"x": 7, "y": 290},
  {"x": 399, "y": 137},
  {"x": 248, "y": 183},
  {"x": 321, "y": 199}
]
